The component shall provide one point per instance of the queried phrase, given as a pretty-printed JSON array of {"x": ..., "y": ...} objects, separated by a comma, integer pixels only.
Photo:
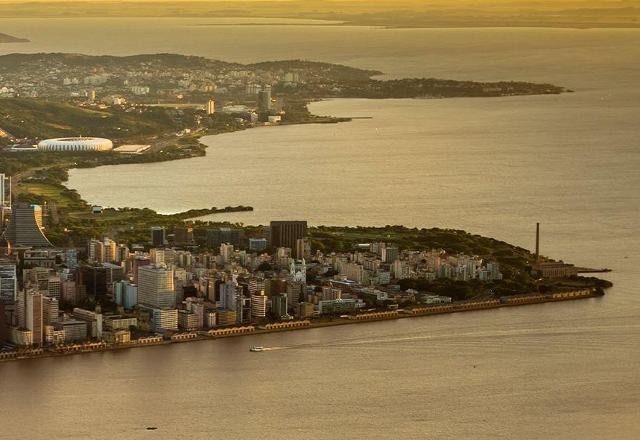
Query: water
[{"x": 492, "y": 166}]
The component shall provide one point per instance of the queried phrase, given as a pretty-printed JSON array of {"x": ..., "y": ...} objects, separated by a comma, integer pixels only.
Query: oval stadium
[{"x": 76, "y": 144}]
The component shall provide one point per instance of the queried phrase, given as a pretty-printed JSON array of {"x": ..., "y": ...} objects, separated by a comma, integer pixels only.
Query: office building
[
  {"x": 95, "y": 251},
  {"x": 164, "y": 320},
  {"x": 286, "y": 233},
  {"x": 158, "y": 236},
  {"x": 34, "y": 319},
  {"x": 187, "y": 321},
  {"x": 54, "y": 287},
  {"x": 226, "y": 253},
  {"x": 125, "y": 294},
  {"x": 389, "y": 254},
  {"x": 279, "y": 306},
  {"x": 183, "y": 236},
  {"x": 75, "y": 330},
  {"x": 228, "y": 295},
  {"x": 26, "y": 227},
  {"x": 117, "y": 322},
  {"x": 303, "y": 248},
  {"x": 136, "y": 263},
  {"x": 162, "y": 256},
  {"x": 218, "y": 236},
  {"x": 257, "y": 244},
  {"x": 94, "y": 279},
  {"x": 8, "y": 282},
  {"x": 294, "y": 293},
  {"x": 37, "y": 278},
  {"x": 93, "y": 320},
  {"x": 156, "y": 287},
  {"x": 50, "y": 310}
]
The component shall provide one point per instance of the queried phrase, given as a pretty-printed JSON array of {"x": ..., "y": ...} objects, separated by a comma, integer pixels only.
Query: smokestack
[{"x": 537, "y": 242}]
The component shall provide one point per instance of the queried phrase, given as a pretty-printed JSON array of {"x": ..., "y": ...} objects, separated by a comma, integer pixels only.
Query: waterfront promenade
[{"x": 226, "y": 332}]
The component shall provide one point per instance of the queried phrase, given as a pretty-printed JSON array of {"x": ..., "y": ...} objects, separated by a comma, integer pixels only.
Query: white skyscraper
[
  {"x": 34, "y": 316},
  {"x": 156, "y": 287}
]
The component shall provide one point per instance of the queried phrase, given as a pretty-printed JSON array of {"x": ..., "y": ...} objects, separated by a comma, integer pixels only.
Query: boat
[{"x": 256, "y": 349}]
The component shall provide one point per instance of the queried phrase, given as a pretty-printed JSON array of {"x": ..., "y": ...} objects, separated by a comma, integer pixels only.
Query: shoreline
[{"x": 419, "y": 312}]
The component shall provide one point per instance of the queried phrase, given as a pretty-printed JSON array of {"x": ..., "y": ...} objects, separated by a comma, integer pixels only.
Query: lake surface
[{"x": 490, "y": 166}]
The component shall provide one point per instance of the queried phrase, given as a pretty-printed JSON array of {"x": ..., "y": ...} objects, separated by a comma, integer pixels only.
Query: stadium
[{"x": 76, "y": 144}]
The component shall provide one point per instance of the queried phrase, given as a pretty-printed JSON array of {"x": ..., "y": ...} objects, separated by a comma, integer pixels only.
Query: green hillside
[{"x": 40, "y": 119}]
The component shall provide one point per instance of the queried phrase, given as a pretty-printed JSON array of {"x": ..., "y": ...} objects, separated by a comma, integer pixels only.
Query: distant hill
[
  {"x": 4, "y": 38},
  {"x": 35, "y": 118}
]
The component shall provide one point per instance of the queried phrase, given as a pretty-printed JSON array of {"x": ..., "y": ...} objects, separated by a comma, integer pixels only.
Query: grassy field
[{"x": 52, "y": 193}]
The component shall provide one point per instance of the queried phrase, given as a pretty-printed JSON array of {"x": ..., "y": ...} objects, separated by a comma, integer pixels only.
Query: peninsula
[{"x": 80, "y": 278}]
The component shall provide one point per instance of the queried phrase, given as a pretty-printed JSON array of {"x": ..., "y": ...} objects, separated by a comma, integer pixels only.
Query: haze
[{"x": 401, "y": 13}]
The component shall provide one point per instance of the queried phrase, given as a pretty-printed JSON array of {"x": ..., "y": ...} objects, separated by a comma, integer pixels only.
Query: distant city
[
  {"x": 108, "y": 293},
  {"x": 230, "y": 281}
]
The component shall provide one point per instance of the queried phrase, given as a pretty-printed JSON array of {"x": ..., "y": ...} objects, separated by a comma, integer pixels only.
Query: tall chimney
[{"x": 537, "y": 242}]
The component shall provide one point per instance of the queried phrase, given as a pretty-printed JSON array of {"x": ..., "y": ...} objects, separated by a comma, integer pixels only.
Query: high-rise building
[
  {"x": 264, "y": 101},
  {"x": 5, "y": 197},
  {"x": 215, "y": 237},
  {"x": 162, "y": 256},
  {"x": 71, "y": 258},
  {"x": 211, "y": 107},
  {"x": 125, "y": 294},
  {"x": 183, "y": 235},
  {"x": 8, "y": 282},
  {"x": 158, "y": 236},
  {"x": 94, "y": 279},
  {"x": 95, "y": 251},
  {"x": 390, "y": 254},
  {"x": 165, "y": 320},
  {"x": 26, "y": 227},
  {"x": 279, "y": 306},
  {"x": 37, "y": 277},
  {"x": 111, "y": 254},
  {"x": 259, "y": 305},
  {"x": 226, "y": 252},
  {"x": 294, "y": 293},
  {"x": 50, "y": 310},
  {"x": 54, "y": 287},
  {"x": 228, "y": 295},
  {"x": 156, "y": 287},
  {"x": 34, "y": 316},
  {"x": 257, "y": 244},
  {"x": 286, "y": 233},
  {"x": 137, "y": 262},
  {"x": 303, "y": 248}
]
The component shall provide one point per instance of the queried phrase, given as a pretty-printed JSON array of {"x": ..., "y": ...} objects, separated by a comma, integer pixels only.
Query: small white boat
[{"x": 256, "y": 349}]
